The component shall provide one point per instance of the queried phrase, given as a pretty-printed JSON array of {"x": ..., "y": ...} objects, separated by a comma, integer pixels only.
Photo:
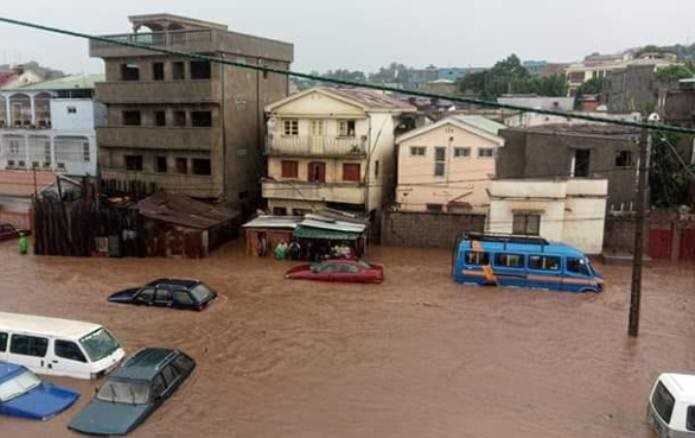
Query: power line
[{"x": 266, "y": 69}]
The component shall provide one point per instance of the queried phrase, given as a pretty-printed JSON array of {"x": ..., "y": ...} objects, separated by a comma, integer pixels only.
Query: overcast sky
[{"x": 366, "y": 34}]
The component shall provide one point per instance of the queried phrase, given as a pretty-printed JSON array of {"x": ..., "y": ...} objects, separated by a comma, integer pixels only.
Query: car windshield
[
  {"x": 201, "y": 293},
  {"x": 99, "y": 344},
  {"x": 131, "y": 393},
  {"x": 19, "y": 385}
]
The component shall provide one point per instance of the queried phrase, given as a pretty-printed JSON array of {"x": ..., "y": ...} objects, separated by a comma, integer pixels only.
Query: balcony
[
  {"x": 316, "y": 146},
  {"x": 145, "y": 137},
  {"x": 346, "y": 193},
  {"x": 191, "y": 91}
]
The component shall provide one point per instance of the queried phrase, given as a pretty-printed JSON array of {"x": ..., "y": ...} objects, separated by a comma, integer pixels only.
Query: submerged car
[
  {"x": 348, "y": 271},
  {"x": 166, "y": 292},
  {"x": 24, "y": 395},
  {"x": 671, "y": 406},
  {"x": 133, "y": 391},
  {"x": 8, "y": 231}
]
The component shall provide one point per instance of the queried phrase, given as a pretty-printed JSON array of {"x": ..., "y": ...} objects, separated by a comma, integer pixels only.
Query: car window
[
  {"x": 184, "y": 364},
  {"x": 28, "y": 345},
  {"x": 578, "y": 266},
  {"x": 663, "y": 402},
  {"x": 477, "y": 258},
  {"x": 162, "y": 295},
  {"x": 348, "y": 269},
  {"x": 158, "y": 386},
  {"x": 146, "y": 295},
  {"x": 68, "y": 350},
  {"x": 183, "y": 297},
  {"x": 544, "y": 263},
  {"x": 690, "y": 420},
  {"x": 509, "y": 260},
  {"x": 170, "y": 375},
  {"x": 3, "y": 341}
]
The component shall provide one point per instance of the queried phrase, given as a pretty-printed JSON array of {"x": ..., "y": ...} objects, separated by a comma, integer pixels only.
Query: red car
[
  {"x": 7, "y": 232},
  {"x": 348, "y": 271}
]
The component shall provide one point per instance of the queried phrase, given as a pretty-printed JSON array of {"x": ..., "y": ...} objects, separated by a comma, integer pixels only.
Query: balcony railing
[
  {"x": 161, "y": 39},
  {"x": 308, "y": 146},
  {"x": 344, "y": 193},
  {"x": 196, "y": 91},
  {"x": 144, "y": 137}
]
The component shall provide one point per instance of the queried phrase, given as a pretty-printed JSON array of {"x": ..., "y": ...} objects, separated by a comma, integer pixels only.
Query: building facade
[
  {"x": 446, "y": 167},
  {"x": 187, "y": 126},
  {"x": 575, "y": 151},
  {"x": 572, "y": 211},
  {"x": 332, "y": 148}
]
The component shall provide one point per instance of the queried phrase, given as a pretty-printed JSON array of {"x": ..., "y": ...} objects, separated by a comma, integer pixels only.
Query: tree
[
  {"x": 346, "y": 75},
  {"x": 675, "y": 72},
  {"x": 394, "y": 73},
  {"x": 668, "y": 179}
]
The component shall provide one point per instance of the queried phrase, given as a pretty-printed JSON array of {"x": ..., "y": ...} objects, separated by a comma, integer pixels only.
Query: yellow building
[
  {"x": 331, "y": 148},
  {"x": 446, "y": 167}
]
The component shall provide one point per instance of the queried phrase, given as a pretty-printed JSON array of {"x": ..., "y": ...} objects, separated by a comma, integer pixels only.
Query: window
[
  {"x": 133, "y": 162},
  {"x": 291, "y": 127},
  {"x": 179, "y": 118},
  {"x": 317, "y": 127},
  {"x": 160, "y": 118},
  {"x": 346, "y": 128},
  {"x": 68, "y": 350},
  {"x": 662, "y": 400},
  {"x": 578, "y": 267},
  {"x": 435, "y": 208},
  {"x": 690, "y": 421},
  {"x": 158, "y": 71},
  {"x": 170, "y": 375},
  {"x": 146, "y": 295},
  {"x": 85, "y": 152},
  {"x": 623, "y": 159},
  {"x": 131, "y": 118},
  {"x": 29, "y": 345},
  {"x": 526, "y": 224},
  {"x": 485, "y": 152},
  {"x": 158, "y": 386},
  {"x": 376, "y": 169},
  {"x": 130, "y": 72},
  {"x": 72, "y": 110},
  {"x": 351, "y": 172},
  {"x": 290, "y": 169},
  {"x": 580, "y": 163},
  {"x": 182, "y": 165},
  {"x": 183, "y": 298},
  {"x": 201, "y": 119},
  {"x": 161, "y": 164},
  {"x": 279, "y": 211},
  {"x": 544, "y": 263},
  {"x": 477, "y": 258},
  {"x": 183, "y": 364},
  {"x": 200, "y": 70},
  {"x": 462, "y": 152},
  {"x": 417, "y": 151},
  {"x": 509, "y": 260},
  {"x": 3, "y": 341},
  {"x": 178, "y": 71},
  {"x": 439, "y": 161},
  {"x": 201, "y": 166},
  {"x": 162, "y": 296},
  {"x": 317, "y": 172}
]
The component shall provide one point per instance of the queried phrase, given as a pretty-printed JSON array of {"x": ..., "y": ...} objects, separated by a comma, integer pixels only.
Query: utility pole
[{"x": 636, "y": 290}]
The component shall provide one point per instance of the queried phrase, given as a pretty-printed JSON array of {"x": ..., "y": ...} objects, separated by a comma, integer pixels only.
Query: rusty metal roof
[{"x": 182, "y": 210}]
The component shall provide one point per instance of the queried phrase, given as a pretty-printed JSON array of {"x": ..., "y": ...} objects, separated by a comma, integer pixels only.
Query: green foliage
[
  {"x": 394, "y": 73},
  {"x": 675, "y": 72},
  {"x": 346, "y": 75},
  {"x": 668, "y": 179},
  {"x": 592, "y": 86}
]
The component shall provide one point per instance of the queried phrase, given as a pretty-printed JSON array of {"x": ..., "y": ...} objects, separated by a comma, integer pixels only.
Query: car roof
[
  {"x": 552, "y": 248},
  {"x": 9, "y": 370},
  {"x": 145, "y": 364},
  {"x": 42, "y": 325},
  {"x": 681, "y": 385},
  {"x": 175, "y": 282}
]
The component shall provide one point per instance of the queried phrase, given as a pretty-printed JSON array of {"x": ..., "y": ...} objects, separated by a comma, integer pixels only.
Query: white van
[
  {"x": 671, "y": 407},
  {"x": 59, "y": 347}
]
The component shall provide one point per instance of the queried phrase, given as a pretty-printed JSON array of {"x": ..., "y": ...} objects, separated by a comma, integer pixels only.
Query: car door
[
  {"x": 183, "y": 299},
  {"x": 159, "y": 388},
  {"x": 145, "y": 296},
  {"x": 163, "y": 297},
  {"x": 68, "y": 360},
  {"x": 545, "y": 271},
  {"x": 578, "y": 276},
  {"x": 29, "y": 351},
  {"x": 172, "y": 378}
]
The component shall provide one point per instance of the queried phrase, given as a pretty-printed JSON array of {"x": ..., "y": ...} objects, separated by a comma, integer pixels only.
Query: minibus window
[
  {"x": 509, "y": 260},
  {"x": 578, "y": 266},
  {"x": 29, "y": 345},
  {"x": 663, "y": 402},
  {"x": 3, "y": 341},
  {"x": 544, "y": 263},
  {"x": 68, "y": 350},
  {"x": 690, "y": 421},
  {"x": 99, "y": 344},
  {"x": 477, "y": 258}
]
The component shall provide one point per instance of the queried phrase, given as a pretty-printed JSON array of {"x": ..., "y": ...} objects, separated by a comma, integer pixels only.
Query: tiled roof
[{"x": 371, "y": 99}]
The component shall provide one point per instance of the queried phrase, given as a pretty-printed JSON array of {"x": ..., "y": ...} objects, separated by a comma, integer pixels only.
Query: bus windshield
[{"x": 99, "y": 344}]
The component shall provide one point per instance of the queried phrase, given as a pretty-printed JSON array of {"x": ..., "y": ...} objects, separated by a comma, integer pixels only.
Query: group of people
[{"x": 306, "y": 249}]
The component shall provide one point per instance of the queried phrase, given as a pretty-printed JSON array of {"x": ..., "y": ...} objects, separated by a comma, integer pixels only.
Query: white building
[
  {"x": 50, "y": 126},
  {"x": 572, "y": 211}
]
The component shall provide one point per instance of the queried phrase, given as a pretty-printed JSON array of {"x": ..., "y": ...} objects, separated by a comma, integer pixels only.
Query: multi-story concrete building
[
  {"x": 330, "y": 147},
  {"x": 188, "y": 126}
]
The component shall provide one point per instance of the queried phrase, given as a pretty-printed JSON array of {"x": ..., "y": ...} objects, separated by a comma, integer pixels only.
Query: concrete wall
[
  {"x": 82, "y": 119},
  {"x": 466, "y": 179},
  {"x": 426, "y": 230}
]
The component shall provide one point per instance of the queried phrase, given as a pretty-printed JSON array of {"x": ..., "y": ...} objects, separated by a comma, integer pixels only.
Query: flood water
[{"x": 418, "y": 356}]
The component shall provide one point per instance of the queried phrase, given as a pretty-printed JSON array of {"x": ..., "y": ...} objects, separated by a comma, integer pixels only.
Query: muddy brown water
[{"x": 418, "y": 356}]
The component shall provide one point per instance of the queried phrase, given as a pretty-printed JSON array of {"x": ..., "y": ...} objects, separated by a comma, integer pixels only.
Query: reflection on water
[{"x": 416, "y": 356}]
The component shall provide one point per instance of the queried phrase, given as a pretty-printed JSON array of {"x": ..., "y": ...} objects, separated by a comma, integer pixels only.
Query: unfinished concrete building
[{"x": 184, "y": 125}]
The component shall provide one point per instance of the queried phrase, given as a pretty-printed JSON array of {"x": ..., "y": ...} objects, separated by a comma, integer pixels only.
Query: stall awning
[{"x": 318, "y": 233}]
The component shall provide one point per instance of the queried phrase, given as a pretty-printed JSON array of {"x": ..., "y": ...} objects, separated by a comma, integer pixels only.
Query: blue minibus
[{"x": 523, "y": 261}]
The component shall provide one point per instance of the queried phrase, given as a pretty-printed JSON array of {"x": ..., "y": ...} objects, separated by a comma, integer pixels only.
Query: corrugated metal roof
[
  {"x": 182, "y": 210},
  {"x": 481, "y": 122},
  {"x": 76, "y": 82},
  {"x": 268, "y": 221},
  {"x": 371, "y": 99},
  {"x": 303, "y": 232},
  {"x": 334, "y": 225}
]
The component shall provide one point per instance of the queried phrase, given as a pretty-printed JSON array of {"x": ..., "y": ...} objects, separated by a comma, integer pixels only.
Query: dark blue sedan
[
  {"x": 167, "y": 292},
  {"x": 133, "y": 391},
  {"x": 22, "y": 394}
]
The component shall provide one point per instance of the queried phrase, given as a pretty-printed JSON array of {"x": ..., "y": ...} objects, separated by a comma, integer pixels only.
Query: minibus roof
[
  {"x": 681, "y": 385},
  {"x": 554, "y": 248},
  {"x": 41, "y": 325}
]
